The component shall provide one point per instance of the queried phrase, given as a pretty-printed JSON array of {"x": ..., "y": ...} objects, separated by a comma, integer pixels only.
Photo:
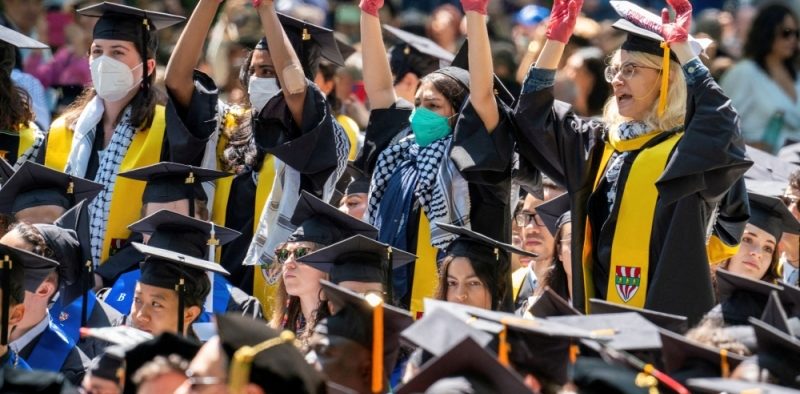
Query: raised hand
[
  {"x": 677, "y": 31},
  {"x": 562, "y": 19},
  {"x": 371, "y": 6},
  {"x": 479, "y": 6}
]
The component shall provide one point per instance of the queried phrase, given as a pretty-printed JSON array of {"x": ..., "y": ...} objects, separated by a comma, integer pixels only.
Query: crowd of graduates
[{"x": 399, "y": 213}]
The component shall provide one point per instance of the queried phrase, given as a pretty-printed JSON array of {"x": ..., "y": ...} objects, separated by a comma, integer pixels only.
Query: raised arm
[
  {"x": 559, "y": 29},
  {"x": 481, "y": 76},
  {"x": 179, "y": 76},
  {"x": 288, "y": 66},
  {"x": 377, "y": 74}
]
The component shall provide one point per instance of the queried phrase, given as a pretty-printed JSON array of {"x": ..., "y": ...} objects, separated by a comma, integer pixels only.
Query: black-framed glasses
[
  {"x": 283, "y": 254},
  {"x": 525, "y": 218},
  {"x": 628, "y": 70},
  {"x": 787, "y": 33}
]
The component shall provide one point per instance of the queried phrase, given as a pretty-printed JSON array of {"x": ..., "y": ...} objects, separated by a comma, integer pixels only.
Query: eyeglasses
[
  {"x": 283, "y": 254},
  {"x": 197, "y": 382},
  {"x": 628, "y": 70},
  {"x": 787, "y": 33},
  {"x": 524, "y": 218}
]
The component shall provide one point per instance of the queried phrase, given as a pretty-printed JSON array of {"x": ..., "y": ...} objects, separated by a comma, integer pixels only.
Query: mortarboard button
[
  {"x": 303, "y": 34},
  {"x": 35, "y": 185},
  {"x": 674, "y": 323},
  {"x": 165, "y": 218}
]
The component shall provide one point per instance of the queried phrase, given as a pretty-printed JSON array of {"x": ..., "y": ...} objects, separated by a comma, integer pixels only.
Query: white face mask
[
  {"x": 261, "y": 90},
  {"x": 112, "y": 78}
]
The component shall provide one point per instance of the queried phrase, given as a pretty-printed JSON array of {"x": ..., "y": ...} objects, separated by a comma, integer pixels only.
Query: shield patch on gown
[{"x": 627, "y": 280}]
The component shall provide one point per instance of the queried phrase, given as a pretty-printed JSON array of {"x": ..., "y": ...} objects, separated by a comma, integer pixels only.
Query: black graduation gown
[
  {"x": 707, "y": 161},
  {"x": 103, "y": 315}
]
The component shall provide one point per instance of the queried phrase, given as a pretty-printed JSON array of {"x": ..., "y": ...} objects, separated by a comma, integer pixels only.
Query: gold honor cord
[
  {"x": 662, "y": 98},
  {"x": 239, "y": 374}
]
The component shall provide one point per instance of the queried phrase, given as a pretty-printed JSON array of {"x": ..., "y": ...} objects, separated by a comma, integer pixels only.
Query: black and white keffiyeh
[
  {"x": 627, "y": 131},
  {"x": 33, "y": 151},
  {"x": 441, "y": 190},
  {"x": 109, "y": 162}
]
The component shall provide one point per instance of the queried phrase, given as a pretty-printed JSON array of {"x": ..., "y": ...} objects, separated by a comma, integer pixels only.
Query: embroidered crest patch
[
  {"x": 63, "y": 316},
  {"x": 627, "y": 280}
]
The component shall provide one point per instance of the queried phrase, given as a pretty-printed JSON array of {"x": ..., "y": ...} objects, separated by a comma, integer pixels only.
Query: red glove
[
  {"x": 562, "y": 19},
  {"x": 478, "y": 6},
  {"x": 371, "y": 6},
  {"x": 256, "y": 3},
  {"x": 677, "y": 31}
]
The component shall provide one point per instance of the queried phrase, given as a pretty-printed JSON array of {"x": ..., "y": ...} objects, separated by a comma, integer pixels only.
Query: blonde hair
[{"x": 675, "y": 113}]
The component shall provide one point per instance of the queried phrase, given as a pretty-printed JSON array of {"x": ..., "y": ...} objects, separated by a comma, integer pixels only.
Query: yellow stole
[
  {"x": 630, "y": 250},
  {"x": 426, "y": 273},
  {"x": 718, "y": 251},
  {"x": 126, "y": 202},
  {"x": 26, "y": 138}
]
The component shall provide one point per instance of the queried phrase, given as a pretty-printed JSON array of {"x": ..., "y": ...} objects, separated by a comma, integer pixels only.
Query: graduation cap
[
  {"x": 179, "y": 272},
  {"x": 110, "y": 365},
  {"x": 623, "y": 331},
  {"x": 125, "y": 336},
  {"x": 688, "y": 358},
  {"x": 722, "y": 385},
  {"x": 168, "y": 181},
  {"x": 778, "y": 352},
  {"x": 478, "y": 247},
  {"x": 6, "y": 170},
  {"x": 126, "y": 23},
  {"x": 320, "y": 222},
  {"x": 184, "y": 234},
  {"x": 790, "y": 153},
  {"x": 462, "y": 61},
  {"x": 10, "y": 41},
  {"x": 772, "y": 216},
  {"x": 415, "y": 54},
  {"x": 310, "y": 42},
  {"x": 344, "y": 48},
  {"x": 441, "y": 329},
  {"x": 775, "y": 315},
  {"x": 552, "y": 304},
  {"x": 368, "y": 322},
  {"x": 359, "y": 181},
  {"x": 265, "y": 357},
  {"x": 674, "y": 323},
  {"x": 19, "y": 266},
  {"x": 552, "y": 210},
  {"x": 466, "y": 367},
  {"x": 768, "y": 167},
  {"x": 741, "y": 297},
  {"x": 360, "y": 259},
  {"x": 81, "y": 270},
  {"x": 474, "y": 317},
  {"x": 790, "y": 296},
  {"x": 766, "y": 188},
  {"x": 165, "y": 345},
  {"x": 35, "y": 185}
]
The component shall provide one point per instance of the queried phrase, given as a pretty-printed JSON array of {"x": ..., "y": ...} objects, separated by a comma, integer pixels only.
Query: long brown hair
[{"x": 15, "y": 107}]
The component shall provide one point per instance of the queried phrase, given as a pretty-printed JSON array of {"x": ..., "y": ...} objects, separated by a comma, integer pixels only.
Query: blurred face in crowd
[
  {"x": 35, "y": 303},
  {"x": 261, "y": 65},
  {"x": 343, "y": 361},
  {"x": 155, "y": 310},
  {"x": 43, "y": 214},
  {"x": 23, "y": 13},
  {"x": 785, "y": 44},
  {"x": 755, "y": 253},
  {"x": 207, "y": 366},
  {"x": 96, "y": 385},
  {"x": 431, "y": 98},
  {"x": 537, "y": 239},
  {"x": 790, "y": 243},
  {"x": 354, "y": 205},
  {"x": 564, "y": 251},
  {"x": 464, "y": 286},
  {"x": 300, "y": 279},
  {"x": 636, "y": 87},
  {"x": 166, "y": 382}
]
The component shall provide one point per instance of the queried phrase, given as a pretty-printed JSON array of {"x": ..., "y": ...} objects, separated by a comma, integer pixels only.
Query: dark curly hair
[
  {"x": 454, "y": 92},
  {"x": 34, "y": 238},
  {"x": 15, "y": 107}
]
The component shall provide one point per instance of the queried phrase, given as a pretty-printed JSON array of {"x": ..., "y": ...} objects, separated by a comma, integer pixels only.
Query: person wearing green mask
[{"x": 443, "y": 161}]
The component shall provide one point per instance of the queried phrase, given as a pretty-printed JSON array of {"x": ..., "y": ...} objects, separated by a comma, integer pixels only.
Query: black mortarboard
[
  {"x": 359, "y": 181},
  {"x": 165, "y": 345},
  {"x": 415, "y": 54},
  {"x": 552, "y": 304},
  {"x": 20, "y": 40},
  {"x": 741, "y": 297},
  {"x": 110, "y": 365},
  {"x": 320, "y": 222},
  {"x": 274, "y": 362},
  {"x": 778, "y": 352},
  {"x": 688, "y": 359},
  {"x": 462, "y": 61},
  {"x": 345, "y": 49},
  {"x": 360, "y": 259},
  {"x": 477, "y": 369},
  {"x": 310, "y": 42},
  {"x": 641, "y": 40},
  {"x": 478, "y": 247},
  {"x": 721, "y": 385},
  {"x": 768, "y": 167},
  {"x": 25, "y": 381},
  {"x": 790, "y": 296},
  {"x": 167, "y": 182},
  {"x": 126, "y": 23},
  {"x": 623, "y": 331},
  {"x": 125, "y": 336},
  {"x": 356, "y": 316},
  {"x": 6, "y": 170},
  {"x": 674, "y": 323},
  {"x": 35, "y": 185},
  {"x": 179, "y": 272},
  {"x": 474, "y": 317},
  {"x": 775, "y": 315},
  {"x": 772, "y": 216},
  {"x": 19, "y": 266},
  {"x": 551, "y": 210},
  {"x": 184, "y": 234},
  {"x": 77, "y": 220},
  {"x": 441, "y": 329}
]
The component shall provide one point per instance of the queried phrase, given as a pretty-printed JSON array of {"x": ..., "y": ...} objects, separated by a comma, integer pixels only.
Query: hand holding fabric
[
  {"x": 677, "y": 31},
  {"x": 479, "y": 6},
  {"x": 562, "y": 19},
  {"x": 371, "y": 6}
]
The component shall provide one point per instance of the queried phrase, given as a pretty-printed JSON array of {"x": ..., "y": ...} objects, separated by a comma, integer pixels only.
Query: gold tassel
[
  {"x": 573, "y": 353},
  {"x": 377, "y": 342},
  {"x": 662, "y": 99},
  {"x": 725, "y": 367},
  {"x": 502, "y": 347},
  {"x": 71, "y": 187},
  {"x": 242, "y": 361}
]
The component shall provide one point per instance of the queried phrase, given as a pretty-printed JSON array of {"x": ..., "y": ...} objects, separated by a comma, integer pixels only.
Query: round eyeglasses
[{"x": 628, "y": 70}]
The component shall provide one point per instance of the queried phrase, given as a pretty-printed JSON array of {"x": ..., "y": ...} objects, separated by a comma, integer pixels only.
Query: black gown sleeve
[
  {"x": 384, "y": 127},
  {"x": 309, "y": 148},
  {"x": 483, "y": 157},
  {"x": 188, "y": 129},
  {"x": 711, "y": 155}
]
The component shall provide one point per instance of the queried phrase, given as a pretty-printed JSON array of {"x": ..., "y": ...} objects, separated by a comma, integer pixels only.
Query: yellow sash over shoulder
[{"x": 126, "y": 203}]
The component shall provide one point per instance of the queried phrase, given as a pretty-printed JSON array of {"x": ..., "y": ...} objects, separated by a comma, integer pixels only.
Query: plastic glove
[
  {"x": 479, "y": 6},
  {"x": 677, "y": 31},
  {"x": 371, "y": 6},
  {"x": 562, "y": 19}
]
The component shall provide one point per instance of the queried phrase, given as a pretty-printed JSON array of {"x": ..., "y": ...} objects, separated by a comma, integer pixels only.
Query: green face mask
[{"x": 428, "y": 126}]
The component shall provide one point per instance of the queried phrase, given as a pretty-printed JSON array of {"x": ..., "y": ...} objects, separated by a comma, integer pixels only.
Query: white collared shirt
[{"x": 23, "y": 341}]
